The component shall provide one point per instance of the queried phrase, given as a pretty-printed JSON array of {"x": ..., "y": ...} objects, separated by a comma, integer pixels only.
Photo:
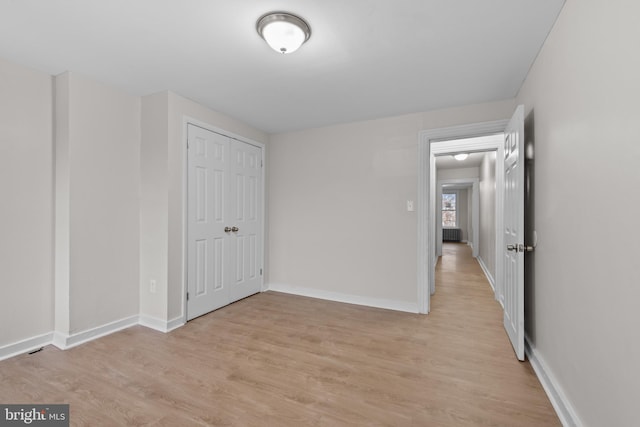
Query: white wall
[
  {"x": 469, "y": 223},
  {"x": 581, "y": 98},
  {"x": 459, "y": 173},
  {"x": 26, "y": 215},
  {"x": 487, "y": 203},
  {"x": 154, "y": 204},
  {"x": 102, "y": 149},
  {"x": 118, "y": 205},
  {"x": 338, "y": 222},
  {"x": 463, "y": 213}
]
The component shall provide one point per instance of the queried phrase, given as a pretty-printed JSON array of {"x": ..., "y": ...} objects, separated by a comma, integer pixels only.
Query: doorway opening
[
  {"x": 506, "y": 138},
  {"x": 473, "y": 138},
  {"x": 465, "y": 215}
]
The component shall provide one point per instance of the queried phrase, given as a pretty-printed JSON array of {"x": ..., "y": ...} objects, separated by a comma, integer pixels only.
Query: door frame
[
  {"x": 472, "y": 185},
  {"x": 446, "y": 141},
  {"x": 186, "y": 121}
]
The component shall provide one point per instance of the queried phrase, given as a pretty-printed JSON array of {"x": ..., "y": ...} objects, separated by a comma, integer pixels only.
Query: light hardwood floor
[{"x": 280, "y": 360}]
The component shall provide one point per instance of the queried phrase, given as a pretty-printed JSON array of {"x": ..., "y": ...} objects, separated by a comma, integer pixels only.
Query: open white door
[{"x": 513, "y": 250}]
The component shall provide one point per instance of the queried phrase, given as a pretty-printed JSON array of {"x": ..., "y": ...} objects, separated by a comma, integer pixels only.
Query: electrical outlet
[
  {"x": 410, "y": 207},
  {"x": 152, "y": 286}
]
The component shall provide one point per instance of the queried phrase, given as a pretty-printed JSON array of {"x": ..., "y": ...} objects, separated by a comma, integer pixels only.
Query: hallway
[
  {"x": 459, "y": 276},
  {"x": 464, "y": 302}
]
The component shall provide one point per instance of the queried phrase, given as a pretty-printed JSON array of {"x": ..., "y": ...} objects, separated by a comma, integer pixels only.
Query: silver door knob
[
  {"x": 234, "y": 229},
  {"x": 228, "y": 229},
  {"x": 512, "y": 248}
]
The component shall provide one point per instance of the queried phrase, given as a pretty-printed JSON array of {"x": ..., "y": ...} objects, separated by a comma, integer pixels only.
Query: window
[{"x": 449, "y": 210}]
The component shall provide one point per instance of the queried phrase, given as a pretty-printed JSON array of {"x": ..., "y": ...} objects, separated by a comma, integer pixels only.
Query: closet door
[
  {"x": 224, "y": 210},
  {"x": 208, "y": 212},
  {"x": 246, "y": 198}
]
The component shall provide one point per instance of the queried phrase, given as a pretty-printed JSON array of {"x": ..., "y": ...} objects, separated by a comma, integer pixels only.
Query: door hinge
[
  {"x": 261, "y": 272},
  {"x": 261, "y": 164},
  {"x": 187, "y": 296}
]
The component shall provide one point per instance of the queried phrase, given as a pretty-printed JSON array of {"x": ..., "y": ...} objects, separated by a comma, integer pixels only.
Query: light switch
[{"x": 410, "y": 206}]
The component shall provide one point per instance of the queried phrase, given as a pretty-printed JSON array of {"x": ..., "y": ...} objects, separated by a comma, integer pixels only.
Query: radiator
[{"x": 451, "y": 234}]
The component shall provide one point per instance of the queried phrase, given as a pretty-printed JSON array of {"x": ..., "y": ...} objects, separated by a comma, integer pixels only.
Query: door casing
[
  {"x": 185, "y": 201},
  {"x": 472, "y": 185},
  {"x": 451, "y": 140}
]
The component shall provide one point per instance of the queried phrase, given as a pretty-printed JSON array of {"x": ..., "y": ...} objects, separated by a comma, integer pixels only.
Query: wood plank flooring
[{"x": 281, "y": 360}]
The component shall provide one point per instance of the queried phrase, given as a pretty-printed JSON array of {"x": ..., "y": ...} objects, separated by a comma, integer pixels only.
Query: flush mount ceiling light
[
  {"x": 284, "y": 32},
  {"x": 460, "y": 156}
]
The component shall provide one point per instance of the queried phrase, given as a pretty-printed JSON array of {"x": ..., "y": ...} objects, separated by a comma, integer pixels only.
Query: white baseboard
[
  {"x": 161, "y": 325},
  {"x": 176, "y": 323},
  {"x": 63, "y": 341},
  {"x": 153, "y": 323},
  {"x": 25, "y": 346},
  {"x": 409, "y": 307},
  {"x": 561, "y": 404},
  {"x": 487, "y": 274}
]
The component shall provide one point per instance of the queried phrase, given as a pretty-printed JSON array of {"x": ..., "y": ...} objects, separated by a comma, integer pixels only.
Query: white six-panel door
[
  {"x": 513, "y": 252},
  {"x": 224, "y": 211},
  {"x": 246, "y": 199}
]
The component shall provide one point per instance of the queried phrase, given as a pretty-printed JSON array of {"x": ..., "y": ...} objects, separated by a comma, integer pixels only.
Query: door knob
[
  {"x": 227, "y": 229},
  {"x": 234, "y": 229}
]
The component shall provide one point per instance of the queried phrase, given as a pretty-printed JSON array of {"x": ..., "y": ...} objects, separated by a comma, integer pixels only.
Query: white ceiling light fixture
[
  {"x": 283, "y": 31},
  {"x": 460, "y": 156}
]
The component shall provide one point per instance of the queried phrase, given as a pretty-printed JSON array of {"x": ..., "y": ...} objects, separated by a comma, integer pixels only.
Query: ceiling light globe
[
  {"x": 460, "y": 156},
  {"x": 284, "y": 32},
  {"x": 283, "y": 37}
]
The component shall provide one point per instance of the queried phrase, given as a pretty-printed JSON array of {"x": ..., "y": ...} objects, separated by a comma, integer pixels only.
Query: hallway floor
[{"x": 465, "y": 303}]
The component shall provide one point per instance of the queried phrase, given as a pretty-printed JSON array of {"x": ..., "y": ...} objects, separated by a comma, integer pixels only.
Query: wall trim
[
  {"x": 159, "y": 324},
  {"x": 25, "y": 346},
  {"x": 409, "y": 307},
  {"x": 64, "y": 341},
  {"x": 566, "y": 412},
  {"x": 485, "y": 269},
  {"x": 176, "y": 323},
  {"x": 153, "y": 323}
]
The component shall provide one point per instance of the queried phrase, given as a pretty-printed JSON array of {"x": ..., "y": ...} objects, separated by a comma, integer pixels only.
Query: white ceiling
[{"x": 365, "y": 59}]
